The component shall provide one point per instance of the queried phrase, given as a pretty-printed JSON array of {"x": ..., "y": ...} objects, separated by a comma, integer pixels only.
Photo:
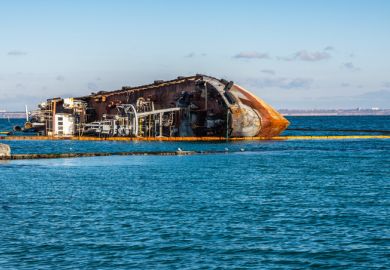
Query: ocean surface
[{"x": 277, "y": 205}]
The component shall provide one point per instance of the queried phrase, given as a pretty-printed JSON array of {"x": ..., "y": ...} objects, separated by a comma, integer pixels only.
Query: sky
[{"x": 293, "y": 54}]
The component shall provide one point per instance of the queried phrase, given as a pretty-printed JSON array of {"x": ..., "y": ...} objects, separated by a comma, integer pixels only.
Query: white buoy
[
  {"x": 242, "y": 149},
  {"x": 179, "y": 149},
  {"x": 5, "y": 150},
  {"x": 26, "y": 113}
]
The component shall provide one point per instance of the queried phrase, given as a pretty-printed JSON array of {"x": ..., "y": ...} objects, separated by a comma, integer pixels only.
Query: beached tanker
[{"x": 185, "y": 107}]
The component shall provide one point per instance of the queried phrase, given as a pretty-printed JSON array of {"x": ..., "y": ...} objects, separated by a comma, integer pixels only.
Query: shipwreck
[{"x": 195, "y": 106}]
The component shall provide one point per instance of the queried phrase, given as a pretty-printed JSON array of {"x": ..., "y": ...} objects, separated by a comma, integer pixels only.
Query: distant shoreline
[{"x": 335, "y": 114}]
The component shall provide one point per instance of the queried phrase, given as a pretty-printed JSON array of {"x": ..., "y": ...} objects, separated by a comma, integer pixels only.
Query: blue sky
[{"x": 293, "y": 54}]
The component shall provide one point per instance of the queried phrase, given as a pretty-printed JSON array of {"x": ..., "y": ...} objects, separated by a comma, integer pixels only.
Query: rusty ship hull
[{"x": 191, "y": 106}]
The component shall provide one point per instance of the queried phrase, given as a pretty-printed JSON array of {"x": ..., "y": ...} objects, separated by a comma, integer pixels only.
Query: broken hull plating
[
  {"x": 272, "y": 123},
  {"x": 188, "y": 106}
]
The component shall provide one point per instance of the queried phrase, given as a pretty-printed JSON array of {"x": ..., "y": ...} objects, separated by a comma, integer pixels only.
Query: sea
[{"x": 302, "y": 204}]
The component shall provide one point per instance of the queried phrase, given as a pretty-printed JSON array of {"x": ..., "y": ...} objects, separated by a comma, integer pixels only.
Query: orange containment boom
[{"x": 204, "y": 139}]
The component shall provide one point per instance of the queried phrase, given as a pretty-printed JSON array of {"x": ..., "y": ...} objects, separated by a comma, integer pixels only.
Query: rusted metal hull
[{"x": 195, "y": 106}]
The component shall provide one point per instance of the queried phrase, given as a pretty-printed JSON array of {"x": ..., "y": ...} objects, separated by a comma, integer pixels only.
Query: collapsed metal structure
[{"x": 187, "y": 107}]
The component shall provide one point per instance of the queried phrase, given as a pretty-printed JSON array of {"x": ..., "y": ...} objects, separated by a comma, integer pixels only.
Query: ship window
[{"x": 60, "y": 118}]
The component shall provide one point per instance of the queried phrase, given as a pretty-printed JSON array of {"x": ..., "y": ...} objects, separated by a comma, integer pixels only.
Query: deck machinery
[{"x": 185, "y": 107}]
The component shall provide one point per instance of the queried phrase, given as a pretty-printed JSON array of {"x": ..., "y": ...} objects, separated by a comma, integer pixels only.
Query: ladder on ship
[{"x": 48, "y": 114}]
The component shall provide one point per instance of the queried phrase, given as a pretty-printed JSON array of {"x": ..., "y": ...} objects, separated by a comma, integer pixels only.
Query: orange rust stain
[{"x": 273, "y": 123}]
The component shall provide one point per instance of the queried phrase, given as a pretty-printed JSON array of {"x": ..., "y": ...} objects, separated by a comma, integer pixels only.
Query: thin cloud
[
  {"x": 329, "y": 48},
  {"x": 92, "y": 86},
  {"x": 60, "y": 78},
  {"x": 311, "y": 56},
  {"x": 251, "y": 55},
  {"x": 192, "y": 54},
  {"x": 16, "y": 102},
  {"x": 305, "y": 55},
  {"x": 16, "y": 53},
  {"x": 350, "y": 66},
  {"x": 365, "y": 100},
  {"x": 268, "y": 71},
  {"x": 345, "y": 85},
  {"x": 381, "y": 95},
  {"x": 386, "y": 84},
  {"x": 284, "y": 83}
]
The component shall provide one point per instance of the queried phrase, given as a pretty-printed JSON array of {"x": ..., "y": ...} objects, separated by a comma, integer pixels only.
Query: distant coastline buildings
[
  {"x": 286, "y": 112},
  {"x": 335, "y": 112}
]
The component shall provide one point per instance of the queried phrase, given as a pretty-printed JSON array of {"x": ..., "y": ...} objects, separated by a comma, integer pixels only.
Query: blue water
[
  {"x": 326, "y": 125},
  {"x": 278, "y": 205}
]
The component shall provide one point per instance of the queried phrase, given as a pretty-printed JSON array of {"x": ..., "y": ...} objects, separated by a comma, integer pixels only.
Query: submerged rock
[{"x": 5, "y": 150}]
